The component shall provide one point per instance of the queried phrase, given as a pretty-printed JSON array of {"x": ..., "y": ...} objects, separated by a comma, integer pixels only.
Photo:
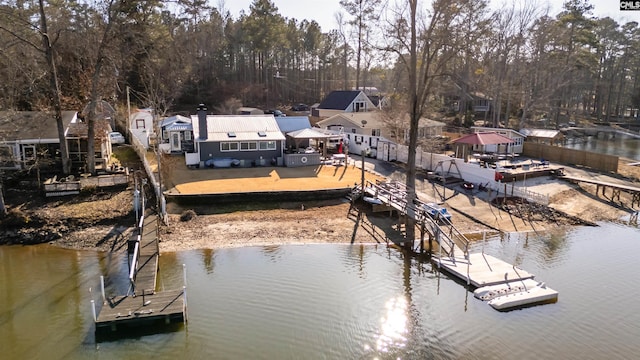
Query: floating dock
[
  {"x": 478, "y": 269},
  {"x": 482, "y": 270},
  {"x": 142, "y": 305}
]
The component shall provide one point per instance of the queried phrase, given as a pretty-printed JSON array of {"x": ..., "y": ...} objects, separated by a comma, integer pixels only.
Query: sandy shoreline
[{"x": 104, "y": 222}]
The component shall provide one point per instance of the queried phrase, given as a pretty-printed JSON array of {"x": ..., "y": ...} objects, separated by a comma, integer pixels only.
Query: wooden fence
[{"x": 601, "y": 162}]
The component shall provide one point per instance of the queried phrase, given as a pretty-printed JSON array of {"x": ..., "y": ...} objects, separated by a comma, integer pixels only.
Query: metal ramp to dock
[
  {"x": 142, "y": 304},
  {"x": 451, "y": 242}
]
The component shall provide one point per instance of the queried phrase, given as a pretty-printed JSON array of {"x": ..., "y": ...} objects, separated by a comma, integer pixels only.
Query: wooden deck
[
  {"x": 165, "y": 307},
  {"x": 143, "y": 305}
]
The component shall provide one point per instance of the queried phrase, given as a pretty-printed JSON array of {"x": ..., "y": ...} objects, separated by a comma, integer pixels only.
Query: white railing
[{"x": 134, "y": 263}]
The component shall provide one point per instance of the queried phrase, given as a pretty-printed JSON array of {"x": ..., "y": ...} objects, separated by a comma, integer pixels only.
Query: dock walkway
[
  {"x": 615, "y": 188},
  {"x": 142, "y": 304},
  {"x": 477, "y": 269}
]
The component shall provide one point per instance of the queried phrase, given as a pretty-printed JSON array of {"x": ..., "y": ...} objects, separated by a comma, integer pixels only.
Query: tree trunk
[
  {"x": 414, "y": 115},
  {"x": 55, "y": 90}
]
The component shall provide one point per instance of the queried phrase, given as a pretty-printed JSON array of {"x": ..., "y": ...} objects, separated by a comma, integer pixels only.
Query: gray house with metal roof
[{"x": 253, "y": 140}]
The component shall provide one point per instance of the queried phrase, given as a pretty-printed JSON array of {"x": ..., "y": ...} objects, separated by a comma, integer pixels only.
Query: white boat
[
  {"x": 535, "y": 295},
  {"x": 490, "y": 292}
]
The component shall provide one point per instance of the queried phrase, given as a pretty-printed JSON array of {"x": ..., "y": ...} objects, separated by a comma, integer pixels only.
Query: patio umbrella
[{"x": 483, "y": 138}]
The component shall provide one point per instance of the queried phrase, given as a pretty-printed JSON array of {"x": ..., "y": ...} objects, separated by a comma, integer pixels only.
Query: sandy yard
[{"x": 328, "y": 222}]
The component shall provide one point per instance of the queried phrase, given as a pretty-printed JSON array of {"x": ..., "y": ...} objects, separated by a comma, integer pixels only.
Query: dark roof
[
  {"x": 80, "y": 129},
  {"x": 339, "y": 99},
  {"x": 23, "y": 125},
  {"x": 375, "y": 99}
]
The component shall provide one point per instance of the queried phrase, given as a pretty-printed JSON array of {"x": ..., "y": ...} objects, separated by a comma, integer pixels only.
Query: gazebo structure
[{"x": 307, "y": 156}]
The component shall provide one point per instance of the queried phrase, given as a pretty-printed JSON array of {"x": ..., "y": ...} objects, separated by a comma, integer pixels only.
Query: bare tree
[
  {"x": 47, "y": 44},
  {"x": 424, "y": 41}
]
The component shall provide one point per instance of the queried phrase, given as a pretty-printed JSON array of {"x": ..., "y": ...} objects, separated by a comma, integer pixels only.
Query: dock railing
[
  {"x": 134, "y": 265},
  {"x": 441, "y": 228}
]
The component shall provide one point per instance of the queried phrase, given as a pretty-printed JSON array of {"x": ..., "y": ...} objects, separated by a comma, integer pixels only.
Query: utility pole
[{"x": 128, "y": 108}]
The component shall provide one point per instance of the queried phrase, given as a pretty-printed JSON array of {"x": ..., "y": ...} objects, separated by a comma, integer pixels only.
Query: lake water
[
  {"x": 335, "y": 302},
  {"x": 620, "y": 145}
]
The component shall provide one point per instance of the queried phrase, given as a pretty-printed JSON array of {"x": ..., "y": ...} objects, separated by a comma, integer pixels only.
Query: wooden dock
[
  {"x": 615, "y": 188},
  {"x": 147, "y": 263},
  {"x": 142, "y": 305},
  {"x": 160, "y": 308},
  {"x": 452, "y": 256}
]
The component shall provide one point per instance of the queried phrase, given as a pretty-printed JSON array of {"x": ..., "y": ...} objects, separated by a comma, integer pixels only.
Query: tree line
[{"x": 175, "y": 56}]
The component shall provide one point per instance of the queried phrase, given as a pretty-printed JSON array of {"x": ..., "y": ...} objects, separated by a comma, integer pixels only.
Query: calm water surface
[
  {"x": 335, "y": 302},
  {"x": 620, "y": 145}
]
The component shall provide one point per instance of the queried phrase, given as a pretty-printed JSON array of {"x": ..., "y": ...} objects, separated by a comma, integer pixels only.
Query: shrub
[{"x": 15, "y": 218}]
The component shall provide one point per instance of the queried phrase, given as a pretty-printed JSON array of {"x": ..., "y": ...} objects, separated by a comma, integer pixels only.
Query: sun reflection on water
[{"x": 393, "y": 325}]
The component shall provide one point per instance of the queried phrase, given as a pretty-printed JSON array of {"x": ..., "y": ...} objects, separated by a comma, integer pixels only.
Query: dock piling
[
  {"x": 104, "y": 297},
  {"x": 93, "y": 311}
]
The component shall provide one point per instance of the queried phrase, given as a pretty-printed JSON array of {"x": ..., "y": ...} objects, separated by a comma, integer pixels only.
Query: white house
[
  {"x": 361, "y": 130},
  {"x": 344, "y": 101},
  {"x": 514, "y": 135}
]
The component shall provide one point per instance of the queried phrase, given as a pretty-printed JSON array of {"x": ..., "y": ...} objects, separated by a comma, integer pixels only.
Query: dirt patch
[{"x": 89, "y": 220}]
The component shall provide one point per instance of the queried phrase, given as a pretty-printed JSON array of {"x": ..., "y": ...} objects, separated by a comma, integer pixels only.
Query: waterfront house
[
  {"x": 515, "y": 147},
  {"x": 30, "y": 138},
  {"x": 253, "y": 140},
  {"x": 27, "y": 137}
]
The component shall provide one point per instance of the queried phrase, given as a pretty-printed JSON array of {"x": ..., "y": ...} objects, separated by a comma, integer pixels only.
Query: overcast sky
[{"x": 323, "y": 11}]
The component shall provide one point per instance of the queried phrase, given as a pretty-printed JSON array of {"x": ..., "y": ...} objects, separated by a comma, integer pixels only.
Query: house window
[
  {"x": 187, "y": 135},
  {"x": 267, "y": 145},
  {"x": 359, "y": 106},
  {"x": 140, "y": 124},
  {"x": 229, "y": 146},
  {"x": 353, "y": 131},
  {"x": 28, "y": 152},
  {"x": 375, "y": 132},
  {"x": 248, "y": 146}
]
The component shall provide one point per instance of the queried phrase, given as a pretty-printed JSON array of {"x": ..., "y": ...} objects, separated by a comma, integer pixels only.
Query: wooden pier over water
[
  {"x": 615, "y": 188},
  {"x": 142, "y": 305},
  {"x": 452, "y": 255}
]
